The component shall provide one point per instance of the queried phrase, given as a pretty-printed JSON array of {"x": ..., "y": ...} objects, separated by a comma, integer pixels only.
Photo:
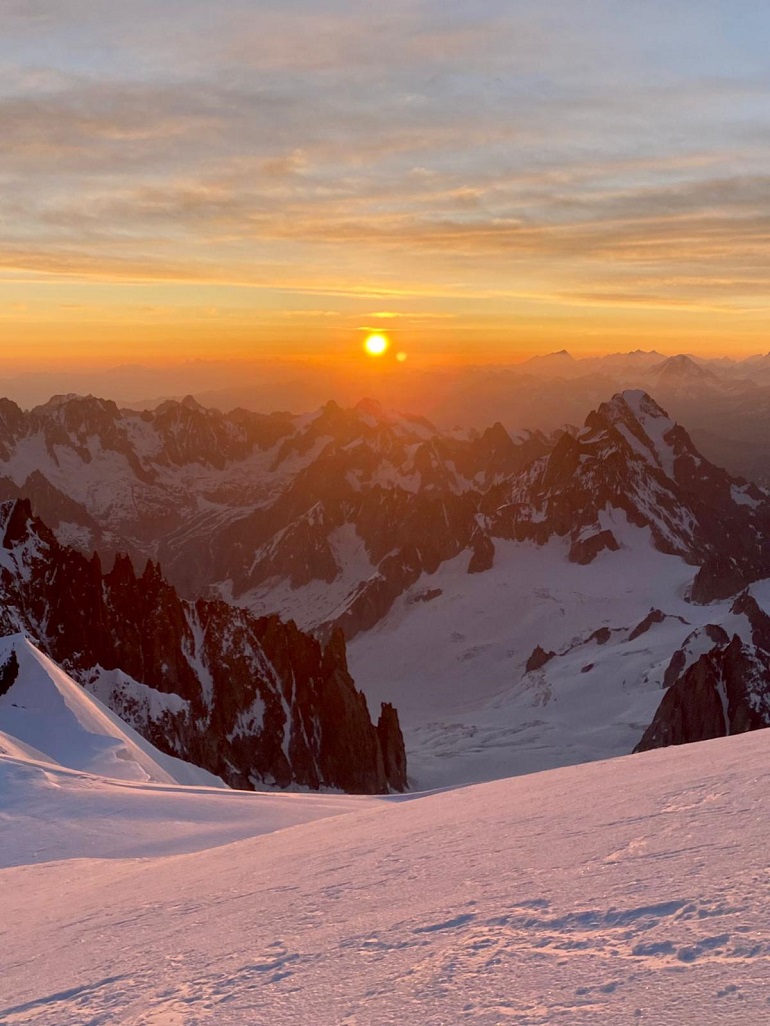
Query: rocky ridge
[
  {"x": 252, "y": 699},
  {"x": 718, "y": 682}
]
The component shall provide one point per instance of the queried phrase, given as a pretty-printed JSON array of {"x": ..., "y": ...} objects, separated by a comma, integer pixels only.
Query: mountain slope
[
  {"x": 46, "y": 710},
  {"x": 629, "y": 891},
  {"x": 633, "y": 458},
  {"x": 255, "y": 701}
]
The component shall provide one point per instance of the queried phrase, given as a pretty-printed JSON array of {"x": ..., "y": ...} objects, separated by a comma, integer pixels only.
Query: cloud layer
[{"x": 611, "y": 154}]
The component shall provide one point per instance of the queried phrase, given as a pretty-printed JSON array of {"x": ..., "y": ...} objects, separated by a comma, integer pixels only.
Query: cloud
[{"x": 577, "y": 151}]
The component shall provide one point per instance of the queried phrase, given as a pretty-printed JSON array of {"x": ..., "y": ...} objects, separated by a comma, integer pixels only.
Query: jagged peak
[
  {"x": 497, "y": 436},
  {"x": 57, "y": 401},
  {"x": 69, "y": 400},
  {"x": 188, "y": 403},
  {"x": 644, "y": 425},
  {"x": 640, "y": 403},
  {"x": 191, "y": 403}
]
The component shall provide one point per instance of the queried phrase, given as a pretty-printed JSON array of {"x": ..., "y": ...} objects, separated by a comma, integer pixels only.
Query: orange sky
[{"x": 499, "y": 180}]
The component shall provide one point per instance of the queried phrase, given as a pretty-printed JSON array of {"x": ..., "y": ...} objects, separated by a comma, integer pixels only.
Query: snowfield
[
  {"x": 451, "y": 656},
  {"x": 629, "y": 891}
]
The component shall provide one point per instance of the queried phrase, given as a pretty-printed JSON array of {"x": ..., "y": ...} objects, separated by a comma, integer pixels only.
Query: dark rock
[
  {"x": 720, "y": 577},
  {"x": 392, "y": 746},
  {"x": 585, "y": 550},
  {"x": 9, "y": 671},
  {"x": 602, "y": 636},
  {"x": 654, "y": 616},
  {"x": 427, "y": 596},
  {"x": 727, "y": 691},
  {"x": 483, "y": 556},
  {"x": 538, "y": 659}
]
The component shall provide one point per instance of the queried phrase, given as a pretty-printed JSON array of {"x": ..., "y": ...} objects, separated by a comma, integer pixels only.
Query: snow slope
[
  {"x": 632, "y": 891},
  {"x": 50, "y": 712},
  {"x": 49, "y": 813}
]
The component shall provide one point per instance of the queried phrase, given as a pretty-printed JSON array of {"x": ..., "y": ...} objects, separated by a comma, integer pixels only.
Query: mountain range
[
  {"x": 524, "y": 600},
  {"x": 724, "y": 402}
]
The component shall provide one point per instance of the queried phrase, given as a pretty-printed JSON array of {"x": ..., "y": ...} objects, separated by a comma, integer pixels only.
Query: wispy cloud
[{"x": 571, "y": 154}]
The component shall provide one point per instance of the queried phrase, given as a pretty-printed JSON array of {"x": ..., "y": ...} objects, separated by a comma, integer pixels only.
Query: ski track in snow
[{"x": 631, "y": 891}]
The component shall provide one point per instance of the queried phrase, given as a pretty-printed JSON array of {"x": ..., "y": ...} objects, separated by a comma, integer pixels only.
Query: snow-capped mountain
[
  {"x": 632, "y": 457},
  {"x": 319, "y": 517},
  {"x": 253, "y": 700},
  {"x": 471, "y": 571}
]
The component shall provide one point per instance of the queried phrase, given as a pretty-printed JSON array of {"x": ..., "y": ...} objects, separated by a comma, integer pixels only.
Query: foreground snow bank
[{"x": 631, "y": 891}]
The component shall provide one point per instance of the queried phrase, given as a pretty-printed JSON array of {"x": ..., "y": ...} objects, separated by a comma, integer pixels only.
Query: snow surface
[
  {"x": 632, "y": 891},
  {"x": 318, "y": 601},
  {"x": 451, "y": 655},
  {"x": 49, "y": 712}
]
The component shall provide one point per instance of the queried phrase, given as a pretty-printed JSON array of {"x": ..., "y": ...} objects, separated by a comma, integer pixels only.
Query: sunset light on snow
[{"x": 384, "y": 512}]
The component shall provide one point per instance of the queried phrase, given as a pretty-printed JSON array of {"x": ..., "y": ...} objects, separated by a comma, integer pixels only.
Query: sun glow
[{"x": 376, "y": 345}]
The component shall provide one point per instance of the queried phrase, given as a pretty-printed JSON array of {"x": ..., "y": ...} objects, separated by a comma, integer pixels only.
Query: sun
[{"x": 376, "y": 345}]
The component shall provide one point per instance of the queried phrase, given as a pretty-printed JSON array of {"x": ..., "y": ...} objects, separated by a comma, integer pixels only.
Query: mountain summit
[{"x": 632, "y": 457}]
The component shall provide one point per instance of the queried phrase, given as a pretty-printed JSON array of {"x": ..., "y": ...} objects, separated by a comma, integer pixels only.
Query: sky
[{"x": 482, "y": 179}]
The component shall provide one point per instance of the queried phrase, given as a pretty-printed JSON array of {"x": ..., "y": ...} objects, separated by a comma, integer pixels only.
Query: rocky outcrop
[
  {"x": 715, "y": 697},
  {"x": 725, "y": 691},
  {"x": 585, "y": 550},
  {"x": 9, "y": 671},
  {"x": 654, "y": 616},
  {"x": 539, "y": 659},
  {"x": 721, "y": 576},
  {"x": 483, "y": 556},
  {"x": 392, "y": 746},
  {"x": 255, "y": 700}
]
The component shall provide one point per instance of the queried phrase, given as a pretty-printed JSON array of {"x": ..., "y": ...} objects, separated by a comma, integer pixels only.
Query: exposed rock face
[
  {"x": 253, "y": 699},
  {"x": 483, "y": 557},
  {"x": 585, "y": 550},
  {"x": 654, "y": 616},
  {"x": 392, "y": 745},
  {"x": 722, "y": 575},
  {"x": 725, "y": 691}
]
